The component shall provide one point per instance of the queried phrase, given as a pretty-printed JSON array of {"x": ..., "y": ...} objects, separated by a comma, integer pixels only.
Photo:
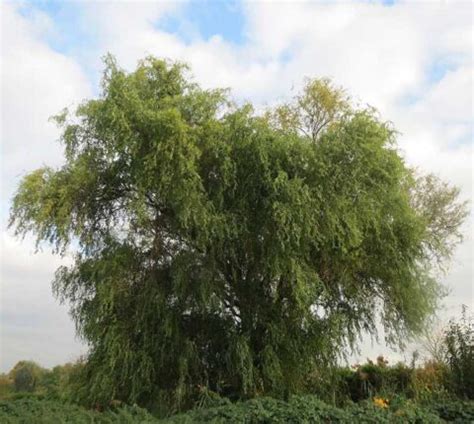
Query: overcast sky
[{"x": 411, "y": 60}]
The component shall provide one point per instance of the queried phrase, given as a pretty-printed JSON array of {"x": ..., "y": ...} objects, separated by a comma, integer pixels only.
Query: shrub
[
  {"x": 454, "y": 410},
  {"x": 298, "y": 409},
  {"x": 56, "y": 383},
  {"x": 332, "y": 385},
  {"x": 25, "y": 376},
  {"x": 31, "y": 410},
  {"x": 429, "y": 381},
  {"x": 306, "y": 409},
  {"x": 459, "y": 340},
  {"x": 377, "y": 378},
  {"x": 266, "y": 410},
  {"x": 399, "y": 379}
]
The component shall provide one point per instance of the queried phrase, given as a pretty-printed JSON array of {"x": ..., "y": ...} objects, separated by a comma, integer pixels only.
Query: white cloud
[
  {"x": 37, "y": 83},
  {"x": 449, "y": 101},
  {"x": 380, "y": 54}
]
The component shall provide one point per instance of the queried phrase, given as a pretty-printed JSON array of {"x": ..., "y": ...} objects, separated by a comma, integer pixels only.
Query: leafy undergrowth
[
  {"x": 304, "y": 409},
  {"x": 299, "y": 409},
  {"x": 30, "y": 410},
  {"x": 457, "y": 411}
]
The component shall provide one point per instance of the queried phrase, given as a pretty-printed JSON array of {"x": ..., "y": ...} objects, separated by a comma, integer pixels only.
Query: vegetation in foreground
[
  {"x": 375, "y": 392},
  {"x": 298, "y": 409}
]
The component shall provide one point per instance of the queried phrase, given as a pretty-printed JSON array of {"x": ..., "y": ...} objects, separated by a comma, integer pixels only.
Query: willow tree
[{"x": 221, "y": 249}]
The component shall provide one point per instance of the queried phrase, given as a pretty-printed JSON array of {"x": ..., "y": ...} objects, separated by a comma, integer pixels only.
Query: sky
[{"x": 411, "y": 60}]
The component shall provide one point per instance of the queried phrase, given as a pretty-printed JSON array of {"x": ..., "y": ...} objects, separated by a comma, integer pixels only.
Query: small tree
[
  {"x": 25, "y": 376},
  {"x": 433, "y": 344}
]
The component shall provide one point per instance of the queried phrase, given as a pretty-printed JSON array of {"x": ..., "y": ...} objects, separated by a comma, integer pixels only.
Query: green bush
[
  {"x": 53, "y": 382},
  {"x": 377, "y": 378},
  {"x": 373, "y": 379},
  {"x": 459, "y": 340},
  {"x": 31, "y": 410},
  {"x": 298, "y": 409},
  {"x": 25, "y": 376},
  {"x": 265, "y": 410},
  {"x": 455, "y": 410},
  {"x": 399, "y": 412},
  {"x": 429, "y": 382},
  {"x": 399, "y": 379},
  {"x": 305, "y": 409}
]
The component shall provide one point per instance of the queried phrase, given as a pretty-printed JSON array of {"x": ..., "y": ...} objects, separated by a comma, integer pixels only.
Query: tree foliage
[
  {"x": 459, "y": 346},
  {"x": 25, "y": 376},
  {"x": 214, "y": 247}
]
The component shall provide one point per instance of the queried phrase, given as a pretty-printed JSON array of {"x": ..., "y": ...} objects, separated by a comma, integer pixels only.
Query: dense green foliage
[
  {"x": 459, "y": 342},
  {"x": 299, "y": 410},
  {"x": 374, "y": 392},
  {"x": 458, "y": 410},
  {"x": 40, "y": 411},
  {"x": 28, "y": 377},
  {"x": 25, "y": 376},
  {"x": 305, "y": 409},
  {"x": 216, "y": 248},
  {"x": 361, "y": 382}
]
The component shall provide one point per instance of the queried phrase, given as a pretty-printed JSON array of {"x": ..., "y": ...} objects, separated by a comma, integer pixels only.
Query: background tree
[
  {"x": 215, "y": 248},
  {"x": 313, "y": 111},
  {"x": 25, "y": 376},
  {"x": 433, "y": 344}
]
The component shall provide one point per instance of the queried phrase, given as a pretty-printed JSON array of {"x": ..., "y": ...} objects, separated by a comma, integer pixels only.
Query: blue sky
[
  {"x": 204, "y": 18},
  {"x": 411, "y": 60},
  {"x": 72, "y": 34}
]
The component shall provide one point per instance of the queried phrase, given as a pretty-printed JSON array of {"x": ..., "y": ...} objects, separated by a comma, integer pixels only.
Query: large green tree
[{"x": 218, "y": 248}]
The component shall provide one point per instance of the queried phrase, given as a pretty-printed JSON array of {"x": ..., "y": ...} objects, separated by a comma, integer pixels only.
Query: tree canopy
[
  {"x": 218, "y": 248},
  {"x": 25, "y": 376}
]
